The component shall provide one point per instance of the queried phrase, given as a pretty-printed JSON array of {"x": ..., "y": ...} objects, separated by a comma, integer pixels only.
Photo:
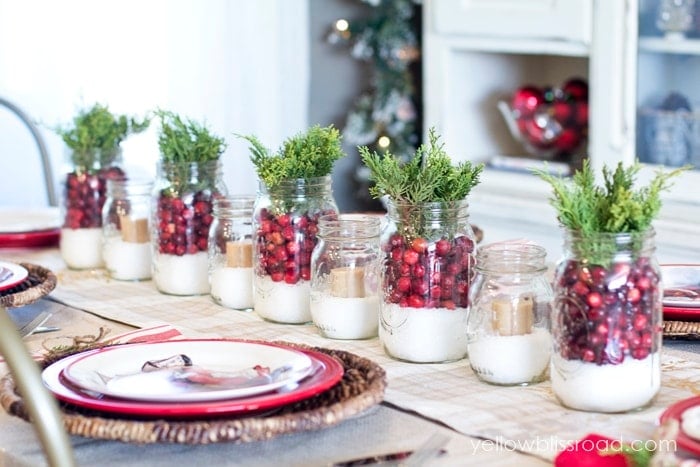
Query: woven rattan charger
[
  {"x": 39, "y": 283},
  {"x": 361, "y": 387}
]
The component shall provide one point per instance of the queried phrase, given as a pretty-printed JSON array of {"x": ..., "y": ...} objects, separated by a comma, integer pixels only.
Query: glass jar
[
  {"x": 285, "y": 224},
  {"x": 126, "y": 241},
  {"x": 345, "y": 276},
  {"x": 181, "y": 214},
  {"x": 428, "y": 266},
  {"x": 606, "y": 324},
  {"x": 83, "y": 196},
  {"x": 231, "y": 252},
  {"x": 508, "y": 339}
]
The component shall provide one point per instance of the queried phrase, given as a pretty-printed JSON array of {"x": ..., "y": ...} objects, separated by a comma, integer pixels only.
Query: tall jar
[
  {"x": 428, "y": 266},
  {"x": 84, "y": 193},
  {"x": 126, "y": 241},
  {"x": 508, "y": 327},
  {"x": 181, "y": 214},
  {"x": 606, "y": 325},
  {"x": 231, "y": 252},
  {"x": 345, "y": 276},
  {"x": 285, "y": 224}
]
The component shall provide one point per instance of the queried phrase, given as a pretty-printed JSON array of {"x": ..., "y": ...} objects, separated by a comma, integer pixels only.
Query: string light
[
  {"x": 342, "y": 26},
  {"x": 384, "y": 142}
]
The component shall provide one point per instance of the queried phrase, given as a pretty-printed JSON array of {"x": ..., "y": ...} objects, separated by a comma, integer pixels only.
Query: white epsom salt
[
  {"x": 345, "y": 318},
  {"x": 232, "y": 287},
  {"x": 423, "y": 335},
  {"x": 281, "y": 302},
  {"x": 82, "y": 248},
  {"x": 606, "y": 388},
  {"x": 509, "y": 360},
  {"x": 127, "y": 261},
  {"x": 182, "y": 275}
]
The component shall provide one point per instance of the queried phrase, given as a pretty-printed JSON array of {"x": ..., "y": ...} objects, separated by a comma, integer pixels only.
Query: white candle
[
  {"x": 182, "y": 275},
  {"x": 232, "y": 287},
  {"x": 82, "y": 248},
  {"x": 343, "y": 317},
  {"x": 424, "y": 335},
  {"x": 127, "y": 260},
  {"x": 511, "y": 359},
  {"x": 281, "y": 302}
]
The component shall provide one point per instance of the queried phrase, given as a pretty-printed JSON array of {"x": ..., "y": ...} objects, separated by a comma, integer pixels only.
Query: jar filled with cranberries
[
  {"x": 429, "y": 253},
  {"x": 285, "y": 226},
  {"x": 606, "y": 324}
]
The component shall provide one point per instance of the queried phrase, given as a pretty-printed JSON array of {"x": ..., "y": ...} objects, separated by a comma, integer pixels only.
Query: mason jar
[
  {"x": 606, "y": 323},
  {"x": 84, "y": 191},
  {"x": 508, "y": 339},
  {"x": 231, "y": 252},
  {"x": 345, "y": 276},
  {"x": 285, "y": 225},
  {"x": 428, "y": 266},
  {"x": 126, "y": 241},
  {"x": 181, "y": 214}
]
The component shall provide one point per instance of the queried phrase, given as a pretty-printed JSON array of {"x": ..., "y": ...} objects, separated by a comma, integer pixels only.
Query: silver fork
[{"x": 31, "y": 327}]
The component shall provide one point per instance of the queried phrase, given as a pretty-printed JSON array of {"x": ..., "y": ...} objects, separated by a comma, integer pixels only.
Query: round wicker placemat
[
  {"x": 39, "y": 283},
  {"x": 361, "y": 387}
]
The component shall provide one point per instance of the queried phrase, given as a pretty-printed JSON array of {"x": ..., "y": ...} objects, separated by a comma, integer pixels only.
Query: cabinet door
[{"x": 533, "y": 19}]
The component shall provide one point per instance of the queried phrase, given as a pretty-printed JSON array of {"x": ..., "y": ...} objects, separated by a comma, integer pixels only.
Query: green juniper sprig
[
  {"x": 184, "y": 140},
  {"x": 303, "y": 156},
  {"x": 95, "y": 135},
  {"x": 589, "y": 209},
  {"x": 428, "y": 177}
]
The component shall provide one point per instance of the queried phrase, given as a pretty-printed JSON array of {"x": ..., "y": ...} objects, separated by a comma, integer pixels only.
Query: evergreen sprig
[
  {"x": 95, "y": 135},
  {"x": 427, "y": 177},
  {"x": 303, "y": 156},
  {"x": 184, "y": 140},
  {"x": 588, "y": 209}
]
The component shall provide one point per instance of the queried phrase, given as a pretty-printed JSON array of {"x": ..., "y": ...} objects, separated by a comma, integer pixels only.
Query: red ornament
[
  {"x": 562, "y": 111},
  {"x": 526, "y": 100},
  {"x": 576, "y": 89},
  {"x": 581, "y": 114},
  {"x": 568, "y": 140},
  {"x": 592, "y": 451}
]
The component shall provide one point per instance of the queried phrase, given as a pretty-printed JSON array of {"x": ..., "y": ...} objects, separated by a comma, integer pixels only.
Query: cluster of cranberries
[
  {"x": 606, "y": 314},
  {"x": 84, "y": 196},
  {"x": 284, "y": 244},
  {"x": 423, "y": 274},
  {"x": 183, "y": 223}
]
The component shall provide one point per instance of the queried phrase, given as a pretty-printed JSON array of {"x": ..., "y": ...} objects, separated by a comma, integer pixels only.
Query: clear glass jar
[
  {"x": 126, "y": 241},
  {"x": 231, "y": 252},
  {"x": 84, "y": 193},
  {"x": 181, "y": 214},
  {"x": 428, "y": 266},
  {"x": 345, "y": 276},
  {"x": 285, "y": 223},
  {"x": 508, "y": 339},
  {"x": 606, "y": 324}
]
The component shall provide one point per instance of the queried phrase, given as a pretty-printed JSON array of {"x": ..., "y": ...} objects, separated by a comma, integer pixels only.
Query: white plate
[
  {"x": 681, "y": 285},
  {"x": 17, "y": 274},
  {"x": 17, "y": 220},
  {"x": 220, "y": 370}
]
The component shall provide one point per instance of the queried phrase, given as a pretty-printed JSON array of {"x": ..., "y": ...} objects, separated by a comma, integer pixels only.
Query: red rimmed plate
[
  {"x": 681, "y": 314},
  {"x": 675, "y": 412},
  {"x": 29, "y": 227},
  {"x": 681, "y": 285},
  {"x": 327, "y": 372},
  {"x": 11, "y": 274}
]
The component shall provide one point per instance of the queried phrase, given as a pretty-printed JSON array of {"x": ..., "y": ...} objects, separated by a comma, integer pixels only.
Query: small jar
[
  {"x": 428, "y": 265},
  {"x": 606, "y": 323},
  {"x": 83, "y": 197},
  {"x": 285, "y": 224},
  {"x": 345, "y": 276},
  {"x": 181, "y": 213},
  {"x": 508, "y": 326},
  {"x": 126, "y": 241},
  {"x": 231, "y": 252}
]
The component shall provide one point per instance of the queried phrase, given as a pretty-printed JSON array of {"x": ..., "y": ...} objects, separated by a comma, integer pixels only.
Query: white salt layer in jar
[
  {"x": 410, "y": 333},
  {"x": 127, "y": 260},
  {"x": 281, "y": 302},
  {"x": 345, "y": 317},
  {"x": 82, "y": 248},
  {"x": 182, "y": 275},
  {"x": 606, "y": 388},
  {"x": 232, "y": 287},
  {"x": 507, "y": 360}
]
